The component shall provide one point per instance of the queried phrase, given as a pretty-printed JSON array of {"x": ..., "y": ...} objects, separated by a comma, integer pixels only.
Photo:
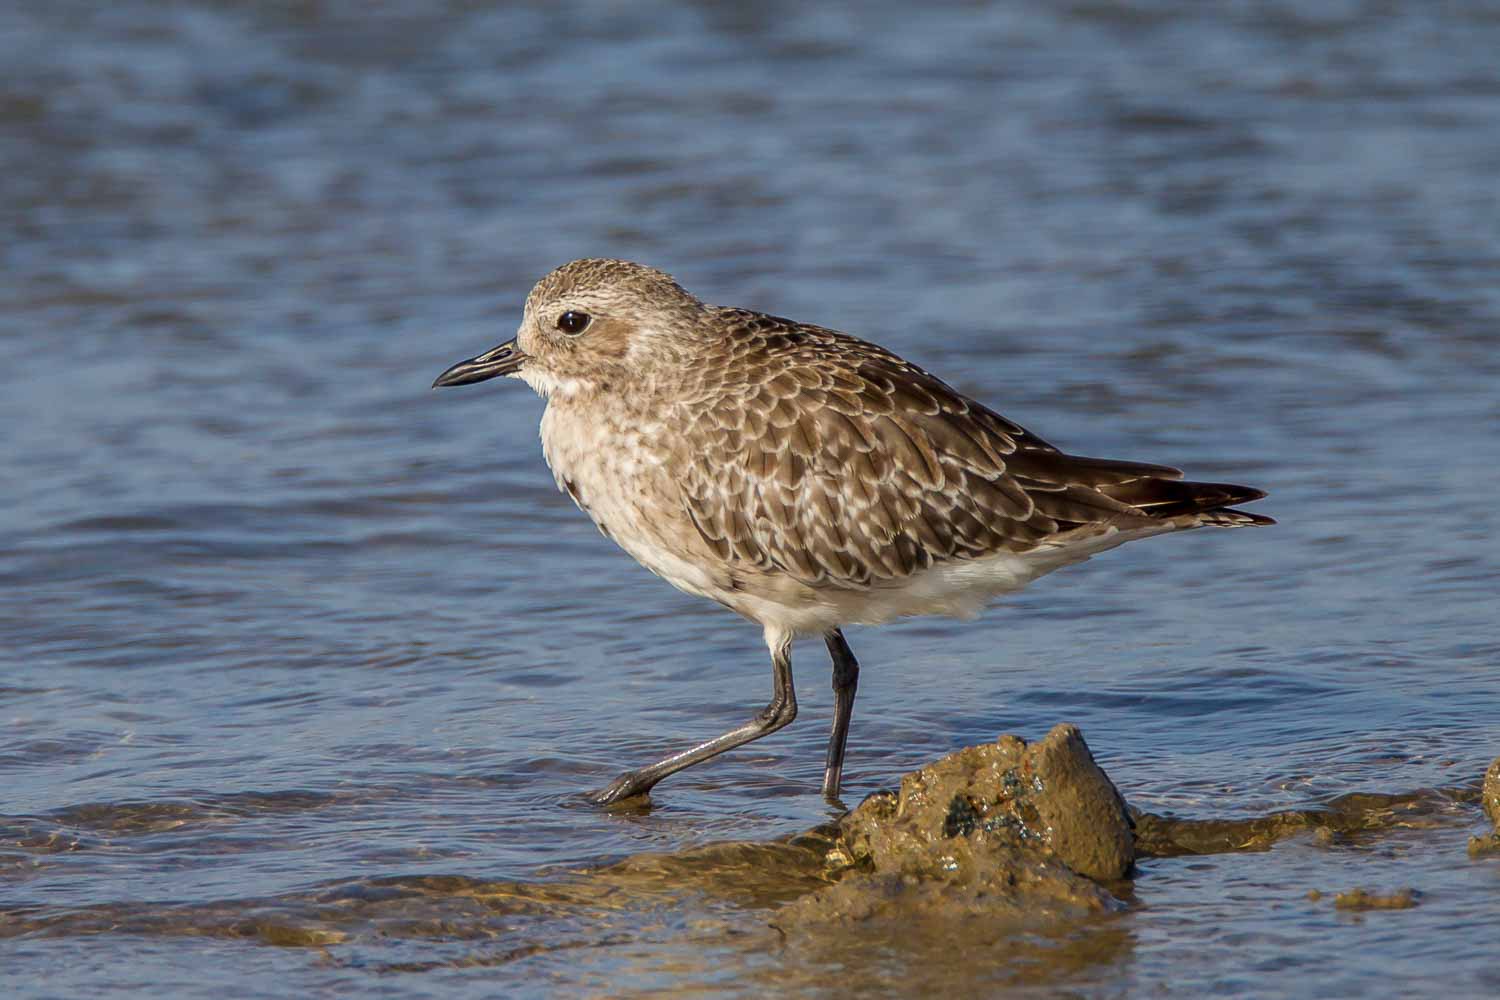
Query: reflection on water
[{"x": 303, "y": 653}]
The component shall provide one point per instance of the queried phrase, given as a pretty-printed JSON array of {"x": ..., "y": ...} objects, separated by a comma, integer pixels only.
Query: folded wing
[{"x": 838, "y": 463}]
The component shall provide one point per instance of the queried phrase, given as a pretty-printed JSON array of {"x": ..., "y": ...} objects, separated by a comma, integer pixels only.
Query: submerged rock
[
  {"x": 1360, "y": 899},
  {"x": 1008, "y": 829},
  {"x": 1355, "y": 815},
  {"x": 994, "y": 887}
]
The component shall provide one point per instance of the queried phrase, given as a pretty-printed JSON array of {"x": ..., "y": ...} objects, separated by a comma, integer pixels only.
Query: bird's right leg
[
  {"x": 845, "y": 683},
  {"x": 781, "y": 711}
]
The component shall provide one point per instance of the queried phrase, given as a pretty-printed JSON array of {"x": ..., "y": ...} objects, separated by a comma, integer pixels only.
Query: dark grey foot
[{"x": 627, "y": 785}]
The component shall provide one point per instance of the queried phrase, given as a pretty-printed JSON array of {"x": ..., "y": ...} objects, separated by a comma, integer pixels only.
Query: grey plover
[{"x": 804, "y": 478}]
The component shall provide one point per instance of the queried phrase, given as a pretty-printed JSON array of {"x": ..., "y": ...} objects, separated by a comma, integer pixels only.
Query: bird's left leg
[{"x": 780, "y": 712}]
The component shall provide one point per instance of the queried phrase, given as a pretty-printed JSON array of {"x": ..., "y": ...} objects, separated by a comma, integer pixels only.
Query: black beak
[{"x": 506, "y": 359}]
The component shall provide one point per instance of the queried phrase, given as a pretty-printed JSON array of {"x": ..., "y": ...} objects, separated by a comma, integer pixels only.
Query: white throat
[{"x": 548, "y": 385}]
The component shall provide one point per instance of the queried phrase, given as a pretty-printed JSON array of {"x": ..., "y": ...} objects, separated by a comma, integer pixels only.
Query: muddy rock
[
  {"x": 1489, "y": 797},
  {"x": 1007, "y": 831},
  {"x": 1047, "y": 798}
]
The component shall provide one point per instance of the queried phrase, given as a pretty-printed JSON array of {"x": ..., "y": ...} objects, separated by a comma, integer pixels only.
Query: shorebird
[{"x": 804, "y": 478}]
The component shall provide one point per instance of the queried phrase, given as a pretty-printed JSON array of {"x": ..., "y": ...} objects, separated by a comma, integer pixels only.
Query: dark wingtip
[
  {"x": 1224, "y": 515},
  {"x": 1175, "y": 497}
]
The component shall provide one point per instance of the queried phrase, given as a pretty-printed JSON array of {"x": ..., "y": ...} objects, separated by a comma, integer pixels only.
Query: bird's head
[{"x": 590, "y": 326}]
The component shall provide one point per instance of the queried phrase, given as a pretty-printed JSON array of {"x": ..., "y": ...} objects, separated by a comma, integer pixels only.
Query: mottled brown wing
[{"x": 836, "y": 462}]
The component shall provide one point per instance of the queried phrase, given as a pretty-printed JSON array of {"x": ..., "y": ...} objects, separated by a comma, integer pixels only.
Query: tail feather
[
  {"x": 1165, "y": 498},
  {"x": 1228, "y": 517},
  {"x": 1074, "y": 491}
]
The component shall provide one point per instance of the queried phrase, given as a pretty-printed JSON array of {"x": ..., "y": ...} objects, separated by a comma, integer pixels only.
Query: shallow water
[{"x": 300, "y": 653}]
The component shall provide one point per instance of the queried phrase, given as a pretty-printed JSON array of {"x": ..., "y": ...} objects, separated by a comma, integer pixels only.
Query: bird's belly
[{"x": 962, "y": 588}]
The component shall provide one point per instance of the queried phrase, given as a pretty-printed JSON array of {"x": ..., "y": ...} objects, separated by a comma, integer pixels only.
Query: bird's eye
[{"x": 574, "y": 323}]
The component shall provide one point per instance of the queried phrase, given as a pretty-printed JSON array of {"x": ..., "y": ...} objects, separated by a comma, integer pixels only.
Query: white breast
[{"x": 611, "y": 467}]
